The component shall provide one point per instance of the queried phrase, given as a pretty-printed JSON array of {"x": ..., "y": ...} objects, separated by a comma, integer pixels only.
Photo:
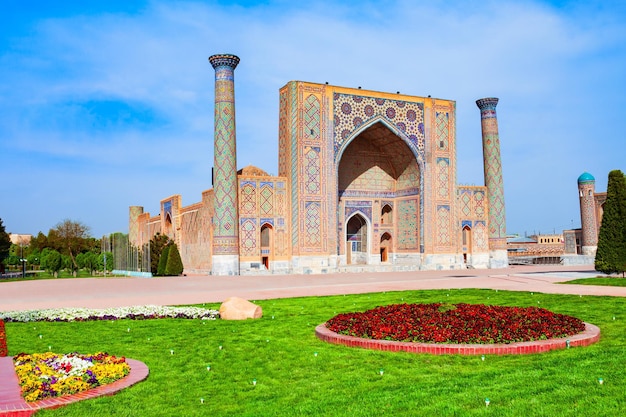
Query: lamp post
[{"x": 22, "y": 260}]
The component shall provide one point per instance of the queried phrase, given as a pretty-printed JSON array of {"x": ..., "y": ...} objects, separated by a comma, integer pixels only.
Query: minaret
[
  {"x": 133, "y": 225},
  {"x": 225, "y": 254},
  {"x": 492, "y": 162},
  {"x": 588, "y": 219}
]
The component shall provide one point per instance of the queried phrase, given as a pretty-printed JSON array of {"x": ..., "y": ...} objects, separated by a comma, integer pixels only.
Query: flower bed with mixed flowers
[
  {"x": 134, "y": 313},
  {"x": 3, "y": 340},
  {"x": 46, "y": 375},
  {"x": 456, "y": 324}
]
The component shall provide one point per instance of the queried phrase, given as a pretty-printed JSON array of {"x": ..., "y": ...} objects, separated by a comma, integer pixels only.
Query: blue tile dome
[{"x": 586, "y": 177}]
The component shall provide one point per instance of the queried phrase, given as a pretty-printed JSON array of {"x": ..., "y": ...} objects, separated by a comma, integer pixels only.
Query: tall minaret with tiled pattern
[
  {"x": 225, "y": 248},
  {"x": 492, "y": 165}
]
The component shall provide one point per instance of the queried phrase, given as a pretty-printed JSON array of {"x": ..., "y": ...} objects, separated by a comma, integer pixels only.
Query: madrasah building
[{"x": 366, "y": 182}]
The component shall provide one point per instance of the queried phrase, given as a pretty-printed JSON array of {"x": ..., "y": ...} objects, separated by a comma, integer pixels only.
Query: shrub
[
  {"x": 163, "y": 261},
  {"x": 174, "y": 264}
]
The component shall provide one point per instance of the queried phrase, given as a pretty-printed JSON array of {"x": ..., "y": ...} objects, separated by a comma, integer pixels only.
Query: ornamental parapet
[{"x": 224, "y": 60}]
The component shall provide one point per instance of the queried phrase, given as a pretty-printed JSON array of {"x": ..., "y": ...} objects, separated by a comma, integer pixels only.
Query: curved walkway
[{"x": 120, "y": 292}]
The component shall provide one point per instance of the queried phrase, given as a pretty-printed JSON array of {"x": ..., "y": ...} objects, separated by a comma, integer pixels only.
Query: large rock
[{"x": 235, "y": 308}]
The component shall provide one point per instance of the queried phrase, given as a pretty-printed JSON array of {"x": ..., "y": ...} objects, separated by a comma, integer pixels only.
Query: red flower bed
[
  {"x": 456, "y": 323},
  {"x": 3, "y": 340}
]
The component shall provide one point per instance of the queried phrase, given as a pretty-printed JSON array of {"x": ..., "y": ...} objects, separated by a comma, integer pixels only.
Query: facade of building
[{"x": 366, "y": 181}]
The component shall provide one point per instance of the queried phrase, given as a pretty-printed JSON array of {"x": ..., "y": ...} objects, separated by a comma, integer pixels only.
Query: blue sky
[{"x": 108, "y": 104}]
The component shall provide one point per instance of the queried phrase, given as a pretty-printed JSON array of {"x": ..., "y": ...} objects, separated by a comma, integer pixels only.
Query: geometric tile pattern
[
  {"x": 443, "y": 132},
  {"x": 312, "y": 116},
  {"x": 248, "y": 198},
  {"x": 492, "y": 167},
  {"x": 466, "y": 207},
  {"x": 312, "y": 169},
  {"x": 480, "y": 237},
  {"x": 313, "y": 232},
  {"x": 225, "y": 157},
  {"x": 283, "y": 167},
  {"x": 266, "y": 204},
  {"x": 353, "y": 111},
  {"x": 471, "y": 204},
  {"x": 443, "y": 184},
  {"x": 249, "y": 237},
  {"x": 408, "y": 224},
  {"x": 443, "y": 225},
  {"x": 362, "y": 207},
  {"x": 292, "y": 145},
  {"x": 479, "y": 204}
]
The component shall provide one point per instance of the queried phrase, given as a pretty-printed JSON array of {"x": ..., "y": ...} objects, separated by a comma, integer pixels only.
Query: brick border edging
[
  {"x": 589, "y": 336},
  {"x": 138, "y": 372}
]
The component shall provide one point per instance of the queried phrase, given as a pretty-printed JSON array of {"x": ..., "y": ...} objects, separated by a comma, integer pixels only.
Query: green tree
[
  {"x": 174, "y": 264},
  {"x": 5, "y": 245},
  {"x": 88, "y": 261},
  {"x": 39, "y": 242},
  {"x": 73, "y": 238},
  {"x": 611, "y": 252},
  {"x": 163, "y": 261},
  {"x": 52, "y": 261},
  {"x": 110, "y": 261},
  {"x": 157, "y": 243},
  {"x": 34, "y": 258}
]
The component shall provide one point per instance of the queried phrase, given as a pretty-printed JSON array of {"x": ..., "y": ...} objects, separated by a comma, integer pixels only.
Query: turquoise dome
[{"x": 586, "y": 177}]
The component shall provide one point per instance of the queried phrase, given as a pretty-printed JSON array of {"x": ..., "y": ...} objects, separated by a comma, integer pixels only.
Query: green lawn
[
  {"x": 278, "y": 351},
  {"x": 604, "y": 281}
]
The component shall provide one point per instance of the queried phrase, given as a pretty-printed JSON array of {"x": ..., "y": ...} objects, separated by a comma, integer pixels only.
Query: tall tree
[
  {"x": 174, "y": 264},
  {"x": 163, "y": 261},
  {"x": 5, "y": 245},
  {"x": 72, "y": 237},
  {"x": 39, "y": 242},
  {"x": 611, "y": 252},
  {"x": 157, "y": 244}
]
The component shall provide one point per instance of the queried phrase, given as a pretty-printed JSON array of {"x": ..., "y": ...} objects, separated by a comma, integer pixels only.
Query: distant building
[
  {"x": 23, "y": 240},
  {"x": 536, "y": 249}
]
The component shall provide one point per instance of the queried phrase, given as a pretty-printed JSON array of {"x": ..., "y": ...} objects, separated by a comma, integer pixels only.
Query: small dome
[{"x": 586, "y": 177}]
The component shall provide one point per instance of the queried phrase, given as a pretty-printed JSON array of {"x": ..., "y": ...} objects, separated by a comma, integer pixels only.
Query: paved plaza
[{"x": 119, "y": 292}]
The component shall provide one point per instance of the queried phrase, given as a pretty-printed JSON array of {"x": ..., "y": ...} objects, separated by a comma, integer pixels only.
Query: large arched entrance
[{"x": 377, "y": 171}]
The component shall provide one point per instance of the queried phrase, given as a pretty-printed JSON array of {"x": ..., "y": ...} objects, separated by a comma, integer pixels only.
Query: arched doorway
[
  {"x": 266, "y": 245},
  {"x": 379, "y": 175},
  {"x": 467, "y": 242},
  {"x": 386, "y": 215},
  {"x": 356, "y": 240},
  {"x": 385, "y": 247}
]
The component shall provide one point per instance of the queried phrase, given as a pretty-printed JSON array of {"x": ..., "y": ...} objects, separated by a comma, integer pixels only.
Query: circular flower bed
[
  {"x": 456, "y": 324},
  {"x": 46, "y": 375}
]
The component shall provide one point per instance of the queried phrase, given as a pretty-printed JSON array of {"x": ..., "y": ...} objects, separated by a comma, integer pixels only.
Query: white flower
[{"x": 72, "y": 314}]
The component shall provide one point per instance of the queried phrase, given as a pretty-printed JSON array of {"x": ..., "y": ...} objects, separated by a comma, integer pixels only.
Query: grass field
[
  {"x": 609, "y": 282},
  {"x": 279, "y": 352}
]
